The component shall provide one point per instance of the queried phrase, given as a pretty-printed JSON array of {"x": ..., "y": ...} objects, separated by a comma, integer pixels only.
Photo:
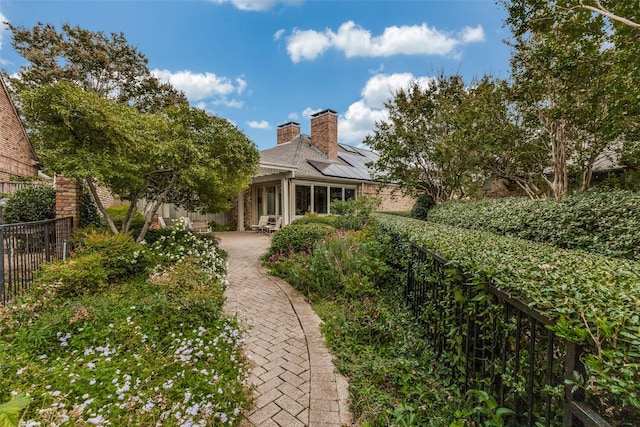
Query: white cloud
[
  {"x": 3, "y": 28},
  {"x": 200, "y": 86},
  {"x": 278, "y": 34},
  {"x": 355, "y": 41},
  {"x": 256, "y": 5},
  {"x": 306, "y": 44},
  {"x": 231, "y": 103},
  {"x": 361, "y": 116},
  {"x": 470, "y": 35},
  {"x": 293, "y": 116},
  {"x": 307, "y": 112},
  {"x": 263, "y": 124}
]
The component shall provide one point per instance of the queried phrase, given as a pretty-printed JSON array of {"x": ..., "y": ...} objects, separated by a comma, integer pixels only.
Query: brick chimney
[
  {"x": 287, "y": 131},
  {"x": 324, "y": 132}
]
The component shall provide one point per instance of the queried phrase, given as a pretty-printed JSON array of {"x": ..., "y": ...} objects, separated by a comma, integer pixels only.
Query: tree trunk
[
  {"x": 586, "y": 176},
  {"x": 154, "y": 208},
  {"x": 558, "y": 138},
  {"x": 103, "y": 210}
]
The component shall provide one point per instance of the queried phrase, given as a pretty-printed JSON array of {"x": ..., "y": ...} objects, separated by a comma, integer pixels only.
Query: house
[
  {"x": 17, "y": 156},
  {"x": 303, "y": 174}
]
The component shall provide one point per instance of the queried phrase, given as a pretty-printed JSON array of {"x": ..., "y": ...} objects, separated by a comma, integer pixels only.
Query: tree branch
[
  {"x": 604, "y": 12},
  {"x": 103, "y": 210}
]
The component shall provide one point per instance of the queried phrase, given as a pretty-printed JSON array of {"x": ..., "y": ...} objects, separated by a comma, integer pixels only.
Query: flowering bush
[
  {"x": 151, "y": 351},
  {"x": 180, "y": 245}
]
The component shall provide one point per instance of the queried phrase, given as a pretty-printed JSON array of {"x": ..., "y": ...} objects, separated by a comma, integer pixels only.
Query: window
[
  {"x": 320, "y": 199},
  {"x": 303, "y": 199},
  {"x": 349, "y": 193},
  {"x": 336, "y": 193}
]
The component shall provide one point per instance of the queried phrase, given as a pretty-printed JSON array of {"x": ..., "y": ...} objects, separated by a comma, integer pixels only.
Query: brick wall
[
  {"x": 324, "y": 132},
  {"x": 17, "y": 158},
  {"x": 287, "y": 131},
  {"x": 107, "y": 198},
  {"x": 67, "y": 199},
  {"x": 392, "y": 199}
]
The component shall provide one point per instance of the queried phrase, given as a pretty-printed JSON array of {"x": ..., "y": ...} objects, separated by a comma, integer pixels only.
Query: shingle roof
[{"x": 310, "y": 162}]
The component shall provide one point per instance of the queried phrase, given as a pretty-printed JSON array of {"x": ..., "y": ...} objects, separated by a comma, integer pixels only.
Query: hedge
[
  {"x": 603, "y": 222},
  {"x": 595, "y": 300}
]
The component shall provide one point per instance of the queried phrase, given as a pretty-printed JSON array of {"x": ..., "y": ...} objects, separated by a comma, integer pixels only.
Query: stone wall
[{"x": 17, "y": 158}]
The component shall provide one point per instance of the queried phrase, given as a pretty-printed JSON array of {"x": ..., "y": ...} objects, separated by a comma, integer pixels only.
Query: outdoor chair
[
  {"x": 262, "y": 222},
  {"x": 200, "y": 226},
  {"x": 272, "y": 228}
]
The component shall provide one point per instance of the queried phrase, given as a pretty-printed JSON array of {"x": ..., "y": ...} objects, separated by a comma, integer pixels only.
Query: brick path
[{"x": 293, "y": 374}]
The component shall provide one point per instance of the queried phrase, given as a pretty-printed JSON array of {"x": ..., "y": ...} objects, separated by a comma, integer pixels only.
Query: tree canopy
[
  {"x": 571, "y": 102},
  {"x": 106, "y": 64},
  {"x": 95, "y": 112},
  {"x": 180, "y": 155}
]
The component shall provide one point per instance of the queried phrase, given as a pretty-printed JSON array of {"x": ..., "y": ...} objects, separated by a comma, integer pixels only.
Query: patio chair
[
  {"x": 262, "y": 222},
  {"x": 272, "y": 228},
  {"x": 200, "y": 226}
]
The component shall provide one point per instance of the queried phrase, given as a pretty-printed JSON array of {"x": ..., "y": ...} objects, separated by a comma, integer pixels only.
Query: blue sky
[{"x": 261, "y": 63}]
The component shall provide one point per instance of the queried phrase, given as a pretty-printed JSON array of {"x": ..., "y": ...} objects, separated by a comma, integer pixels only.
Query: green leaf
[{"x": 10, "y": 411}]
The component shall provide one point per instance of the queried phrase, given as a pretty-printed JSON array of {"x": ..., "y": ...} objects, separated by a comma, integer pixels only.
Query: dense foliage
[
  {"x": 379, "y": 345},
  {"x": 602, "y": 222},
  {"x": 99, "y": 341},
  {"x": 594, "y": 300},
  {"x": 89, "y": 215},
  {"x": 421, "y": 208},
  {"x": 31, "y": 203}
]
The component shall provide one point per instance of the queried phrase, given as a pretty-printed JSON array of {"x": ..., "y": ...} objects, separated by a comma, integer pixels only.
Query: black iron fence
[
  {"x": 24, "y": 246},
  {"x": 493, "y": 342}
]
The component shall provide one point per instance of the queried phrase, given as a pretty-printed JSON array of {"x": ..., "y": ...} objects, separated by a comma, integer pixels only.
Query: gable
[{"x": 17, "y": 157}]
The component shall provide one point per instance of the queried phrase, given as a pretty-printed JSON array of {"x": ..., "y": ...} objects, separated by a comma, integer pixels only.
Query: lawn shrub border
[
  {"x": 602, "y": 222},
  {"x": 595, "y": 300}
]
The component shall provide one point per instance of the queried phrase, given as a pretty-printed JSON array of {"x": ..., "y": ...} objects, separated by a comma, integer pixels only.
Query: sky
[{"x": 262, "y": 63}]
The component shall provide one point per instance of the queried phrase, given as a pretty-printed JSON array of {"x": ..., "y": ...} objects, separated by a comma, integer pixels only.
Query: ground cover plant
[
  {"x": 594, "y": 300},
  {"x": 605, "y": 222},
  {"x": 138, "y": 340},
  {"x": 379, "y": 345}
]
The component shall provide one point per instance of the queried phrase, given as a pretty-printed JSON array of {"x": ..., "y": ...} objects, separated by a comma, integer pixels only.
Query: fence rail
[
  {"x": 10, "y": 187},
  {"x": 24, "y": 246},
  {"x": 491, "y": 341}
]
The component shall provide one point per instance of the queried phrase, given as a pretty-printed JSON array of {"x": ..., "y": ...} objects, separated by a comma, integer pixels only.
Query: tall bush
[
  {"x": 594, "y": 300},
  {"x": 602, "y": 222},
  {"x": 32, "y": 203},
  {"x": 422, "y": 207}
]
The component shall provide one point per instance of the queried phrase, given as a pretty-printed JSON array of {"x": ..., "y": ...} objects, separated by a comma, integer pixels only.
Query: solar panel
[{"x": 340, "y": 171}]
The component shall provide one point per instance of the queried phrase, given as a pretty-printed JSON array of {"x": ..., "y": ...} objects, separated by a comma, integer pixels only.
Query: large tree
[
  {"x": 447, "y": 138},
  {"x": 573, "y": 74},
  {"x": 181, "y": 155},
  {"x": 106, "y": 64}
]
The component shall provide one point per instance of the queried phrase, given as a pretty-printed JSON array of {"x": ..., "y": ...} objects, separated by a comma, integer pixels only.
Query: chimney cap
[
  {"x": 323, "y": 112},
  {"x": 284, "y": 125}
]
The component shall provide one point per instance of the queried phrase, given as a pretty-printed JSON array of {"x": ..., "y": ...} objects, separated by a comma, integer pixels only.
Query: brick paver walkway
[{"x": 293, "y": 373}]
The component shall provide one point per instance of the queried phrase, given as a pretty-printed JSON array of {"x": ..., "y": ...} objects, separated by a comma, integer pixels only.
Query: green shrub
[
  {"x": 120, "y": 253},
  {"x": 89, "y": 215},
  {"x": 354, "y": 214},
  {"x": 119, "y": 212},
  {"x": 423, "y": 205},
  {"x": 75, "y": 276},
  {"x": 606, "y": 223},
  {"x": 317, "y": 219},
  {"x": 594, "y": 300},
  {"x": 33, "y": 203},
  {"x": 298, "y": 238}
]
